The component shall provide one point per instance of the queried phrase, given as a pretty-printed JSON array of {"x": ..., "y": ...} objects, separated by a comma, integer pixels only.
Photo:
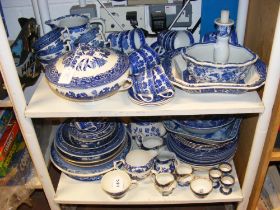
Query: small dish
[
  {"x": 116, "y": 183},
  {"x": 225, "y": 168},
  {"x": 215, "y": 175},
  {"x": 201, "y": 187}
]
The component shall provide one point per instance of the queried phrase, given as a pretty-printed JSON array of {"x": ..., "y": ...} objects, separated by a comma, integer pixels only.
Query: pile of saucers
[
  {"x": 87, "y": 150},
  {"x": 203, "y": 142}
]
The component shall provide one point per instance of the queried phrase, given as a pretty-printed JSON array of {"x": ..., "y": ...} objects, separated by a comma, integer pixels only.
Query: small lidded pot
[
  {"x": 165, "y": 183},
  {"x": 215, "y": 175},
  {"x": 201, "y": 187},
  {"x": 116, "y": 183},
  {"x": 225, "y": 168},
  {"x": 227, "y": 182},
  {"x": 184, "y": 174}
]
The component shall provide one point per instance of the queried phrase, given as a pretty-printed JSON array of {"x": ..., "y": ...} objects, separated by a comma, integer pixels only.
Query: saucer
[{"x": 143, "y": 103}]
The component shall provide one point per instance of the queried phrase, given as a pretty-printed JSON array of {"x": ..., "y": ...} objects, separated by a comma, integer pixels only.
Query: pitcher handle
[
  {"x": 100, "y": 22},
  {"x": 117, "y": 163}
]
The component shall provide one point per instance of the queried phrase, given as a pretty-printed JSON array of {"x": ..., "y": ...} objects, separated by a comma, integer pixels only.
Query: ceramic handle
[
  {"x": 117, "y": 163},
  {"x": 100, "y": 22},
  {"x": 166, "y": 94},
  {"x": 134, "y": 184},
  {"x": 146, "y": 97},
  {"x": 127, "y": 84}
]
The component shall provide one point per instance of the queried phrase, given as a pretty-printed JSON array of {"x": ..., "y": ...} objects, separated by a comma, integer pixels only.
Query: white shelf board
[
  {"x": 28, "y": 92},
  {"x": 6, "y": 102},
  {"x": 70, "y": 191},
  {"x": 46, "y": 103}
]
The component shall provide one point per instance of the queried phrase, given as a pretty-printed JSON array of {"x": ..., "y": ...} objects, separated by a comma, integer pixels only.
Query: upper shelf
[{"x": 45, "y": 103}]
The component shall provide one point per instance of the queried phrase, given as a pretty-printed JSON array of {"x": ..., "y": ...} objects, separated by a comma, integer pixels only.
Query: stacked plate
[
  {"x": 87, "y": 150},
  {"x": 203, "y": 142},
  {"x": 176, "y": 68}
]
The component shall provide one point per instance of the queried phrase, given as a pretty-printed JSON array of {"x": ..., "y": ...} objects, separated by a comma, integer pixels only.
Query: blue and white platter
[
  {"x": 87, "y": 173},
  {"x": 227, "y": 133},
  {"x": 198, "y": 158},
  {"x": 89, "y": 154},
  {"x": 84, "y": 162}
]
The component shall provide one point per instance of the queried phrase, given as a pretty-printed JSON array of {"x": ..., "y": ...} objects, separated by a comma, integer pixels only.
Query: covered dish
[{"x": 88, "y": 73}]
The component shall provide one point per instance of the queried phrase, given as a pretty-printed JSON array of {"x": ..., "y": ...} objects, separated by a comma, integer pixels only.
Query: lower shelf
[{"x": 70, "y": 191}]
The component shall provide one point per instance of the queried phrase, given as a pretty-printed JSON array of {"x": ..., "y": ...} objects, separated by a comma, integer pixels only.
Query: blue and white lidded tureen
[{"x": 88, "y": 73}]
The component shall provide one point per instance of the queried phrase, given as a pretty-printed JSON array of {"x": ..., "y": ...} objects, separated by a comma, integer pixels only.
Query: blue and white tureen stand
[{"x": 88, "y": 73}]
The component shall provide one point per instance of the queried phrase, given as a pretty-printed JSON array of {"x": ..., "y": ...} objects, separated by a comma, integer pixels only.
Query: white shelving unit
[{"x": 46, "y": 104}]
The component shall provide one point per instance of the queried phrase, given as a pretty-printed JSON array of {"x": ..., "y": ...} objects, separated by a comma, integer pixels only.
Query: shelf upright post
[
  {"x": 268, "y": 99},
  {"x": 12, "y": 82},
  {"x": 241, "y": 20}
]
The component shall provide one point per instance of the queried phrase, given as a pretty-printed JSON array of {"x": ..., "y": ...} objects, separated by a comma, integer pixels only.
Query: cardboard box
[
  {"x": 8, "y": 138},
  {"x": 17, "y": 147}
]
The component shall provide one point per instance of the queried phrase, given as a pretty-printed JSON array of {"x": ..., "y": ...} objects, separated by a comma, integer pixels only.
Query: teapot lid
[{"x": 91, "y": 66}]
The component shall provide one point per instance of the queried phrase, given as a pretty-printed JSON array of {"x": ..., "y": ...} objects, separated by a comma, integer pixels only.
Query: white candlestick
[
  {"x": 224, "y": 16},
  {"x": 83, "y": 3}
]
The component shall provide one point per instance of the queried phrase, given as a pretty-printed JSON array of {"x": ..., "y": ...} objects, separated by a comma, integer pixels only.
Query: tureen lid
[{"x": 89, "y": 66}]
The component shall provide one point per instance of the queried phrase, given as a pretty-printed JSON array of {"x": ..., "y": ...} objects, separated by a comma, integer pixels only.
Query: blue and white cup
[
  {"x": 227, "y": 182},
  {"x": 171, "y": 40},
  {"x": 137, "y": 62},
  {"x": 163, "y": 86},
  {"x": 127, "y": 41},
  {"x": 49, "y": 40},
  {"x": 150, "y": 56},
  {"x": 215, "y": 176},
  {"x": 143, "y": 86}
]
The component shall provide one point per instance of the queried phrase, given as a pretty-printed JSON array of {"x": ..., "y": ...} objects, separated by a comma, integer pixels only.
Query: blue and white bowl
[
  {"x": 224, "y": 134},
  {"x": 204, "y": 125},
  {"x": 49, "y": 40},
  {"x": 97, "y": 73},
  {"x": 202, "y": 67}
]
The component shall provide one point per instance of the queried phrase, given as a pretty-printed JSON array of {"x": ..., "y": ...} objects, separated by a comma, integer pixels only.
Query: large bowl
[
  {"x": 201, "y": 65},
  {"x": 96, "y": 73}
]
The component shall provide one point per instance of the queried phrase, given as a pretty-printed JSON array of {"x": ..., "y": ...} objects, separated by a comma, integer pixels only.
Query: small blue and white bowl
[
  {"x": 202, "y": 67},
  {"x": 49, "y": 40}
]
